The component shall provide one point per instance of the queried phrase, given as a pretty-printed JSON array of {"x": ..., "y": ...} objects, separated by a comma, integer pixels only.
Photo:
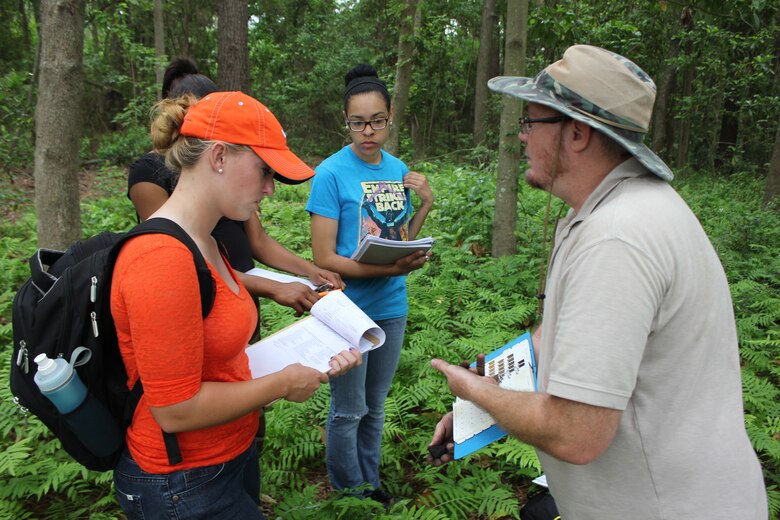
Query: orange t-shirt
[{"x": 155, "y": 302}]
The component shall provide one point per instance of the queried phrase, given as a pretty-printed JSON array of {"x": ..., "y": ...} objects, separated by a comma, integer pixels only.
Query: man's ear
[{"x": 581, "y": 135}]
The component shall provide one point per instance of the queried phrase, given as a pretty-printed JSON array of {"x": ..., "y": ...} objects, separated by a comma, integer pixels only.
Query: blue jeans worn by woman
[
  {"x": 357, "y": 412},
  {"x": 221, "y": 491}
]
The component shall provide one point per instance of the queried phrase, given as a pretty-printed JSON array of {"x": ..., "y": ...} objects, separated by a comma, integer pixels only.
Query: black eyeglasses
[
  {"x": 375, "y": 124},
  {"x": 526, "y": 122}
]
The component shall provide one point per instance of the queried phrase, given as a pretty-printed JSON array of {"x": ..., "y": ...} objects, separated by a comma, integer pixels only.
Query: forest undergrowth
[{"x": 462, "y": 303}]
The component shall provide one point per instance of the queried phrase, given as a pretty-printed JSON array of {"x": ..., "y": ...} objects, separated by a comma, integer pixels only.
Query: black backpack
[{"x": 67, "y": 306}]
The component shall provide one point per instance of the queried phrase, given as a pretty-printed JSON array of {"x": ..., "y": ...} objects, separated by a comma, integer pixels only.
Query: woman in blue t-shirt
[{"x": 363, "y": 190}]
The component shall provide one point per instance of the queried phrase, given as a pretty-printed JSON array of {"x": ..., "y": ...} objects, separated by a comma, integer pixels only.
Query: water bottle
[
  {"x": 84, "y": 414},
  {"x": 60, "y": 383}
]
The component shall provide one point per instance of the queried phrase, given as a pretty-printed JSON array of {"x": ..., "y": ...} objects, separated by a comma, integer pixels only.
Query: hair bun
[
  {"x": 177, "y": 69},
  {"x": 361, "y": 70}
]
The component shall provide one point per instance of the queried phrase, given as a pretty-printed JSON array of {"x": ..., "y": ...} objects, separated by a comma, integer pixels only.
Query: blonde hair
[{"x": 180, "y": 150}]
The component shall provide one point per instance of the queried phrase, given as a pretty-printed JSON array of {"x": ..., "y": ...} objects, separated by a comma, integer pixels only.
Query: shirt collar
[{"x": 628, "y": 169}]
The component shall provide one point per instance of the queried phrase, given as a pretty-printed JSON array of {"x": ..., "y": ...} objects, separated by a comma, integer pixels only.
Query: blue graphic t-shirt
[{"x": 365, "y": 199}]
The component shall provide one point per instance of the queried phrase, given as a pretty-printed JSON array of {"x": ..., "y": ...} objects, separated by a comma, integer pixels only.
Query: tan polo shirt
[{"x": 638, "y": 317}]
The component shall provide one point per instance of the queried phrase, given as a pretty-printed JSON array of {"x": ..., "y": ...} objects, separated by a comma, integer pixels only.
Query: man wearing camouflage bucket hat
[{"x": 639, "y": 410}]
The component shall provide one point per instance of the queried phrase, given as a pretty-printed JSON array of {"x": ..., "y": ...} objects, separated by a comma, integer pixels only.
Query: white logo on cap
[{"x": 240, "y": 103}]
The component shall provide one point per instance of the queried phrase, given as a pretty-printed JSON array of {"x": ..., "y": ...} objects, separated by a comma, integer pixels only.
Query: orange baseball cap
[{"x": 234, "y": 117}]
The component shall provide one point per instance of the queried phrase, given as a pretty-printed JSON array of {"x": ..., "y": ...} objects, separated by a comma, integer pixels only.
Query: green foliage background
[
  {"x": 464, "y": 301},
  {"x": 461, "y": 304},
  {"x": 299, "y": 51}
]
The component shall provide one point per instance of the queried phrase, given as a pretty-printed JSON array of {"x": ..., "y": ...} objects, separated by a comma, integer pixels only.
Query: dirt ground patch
[{"x": 17, "y": 189}]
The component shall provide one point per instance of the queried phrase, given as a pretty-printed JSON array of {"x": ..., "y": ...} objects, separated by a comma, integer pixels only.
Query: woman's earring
[{"x": 219, "y": 171}]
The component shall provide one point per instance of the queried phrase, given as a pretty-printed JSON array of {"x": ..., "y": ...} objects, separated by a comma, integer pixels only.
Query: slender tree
[
  {"x": 687, "y": 91},
  {"x": 772, "y": 192},
  {"x": 505, "y": 217},
  {"x": 159, "y": 39},
  {"x": 232, "y": 49},
  {"x": 37, "y": 59},
  {"x": 489, "y": 21},
  {"x": 668, "y": 81},
  {"x": 58, "y": 123},
  {"x": 410, "y": 21}
]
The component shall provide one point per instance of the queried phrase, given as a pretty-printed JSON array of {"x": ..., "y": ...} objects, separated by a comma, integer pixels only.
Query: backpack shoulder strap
[
  {"x": 207, "y": 293},
  {"x": 168, "y": 227}
]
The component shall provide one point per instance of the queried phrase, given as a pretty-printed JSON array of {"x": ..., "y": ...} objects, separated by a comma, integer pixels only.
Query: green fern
[{"x": 460, "y": 304}]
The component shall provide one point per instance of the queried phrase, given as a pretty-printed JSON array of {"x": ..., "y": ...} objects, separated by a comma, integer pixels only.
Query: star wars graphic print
[{"x": 383, "y": 210}]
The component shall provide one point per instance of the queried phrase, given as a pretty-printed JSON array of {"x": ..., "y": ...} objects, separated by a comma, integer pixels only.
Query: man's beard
[
  {"x": 555, "y": 161},
  {"x": 533, "y": 182}
]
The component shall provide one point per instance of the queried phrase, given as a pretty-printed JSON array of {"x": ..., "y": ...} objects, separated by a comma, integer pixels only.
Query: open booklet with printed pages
[
  {"x": 382, "y": 251},
  {"x": 335, "y": 324},
  {"x": 514, "y": 366}
]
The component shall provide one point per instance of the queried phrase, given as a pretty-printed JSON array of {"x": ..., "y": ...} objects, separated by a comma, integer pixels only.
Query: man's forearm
[{"x": 570, "y": 431}]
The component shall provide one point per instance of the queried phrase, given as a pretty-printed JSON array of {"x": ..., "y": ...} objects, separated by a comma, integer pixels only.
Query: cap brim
[
  {"x": 526, "y": 89},
  {"x": 288, "y": 167}
]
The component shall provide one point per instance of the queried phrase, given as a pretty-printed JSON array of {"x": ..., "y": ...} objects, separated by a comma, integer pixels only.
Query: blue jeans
[
  {"x": 357, "y": 413},
  {"x": 221, "y": 491}
]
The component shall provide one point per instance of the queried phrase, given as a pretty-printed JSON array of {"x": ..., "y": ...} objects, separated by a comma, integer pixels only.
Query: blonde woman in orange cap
[
  {"x": 195, "y": 373},
  {"x": 150, "y": 183}
]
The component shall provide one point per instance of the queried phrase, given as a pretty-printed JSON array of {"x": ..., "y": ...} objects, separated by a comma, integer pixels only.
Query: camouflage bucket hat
[{"x": 600, "y": 88}]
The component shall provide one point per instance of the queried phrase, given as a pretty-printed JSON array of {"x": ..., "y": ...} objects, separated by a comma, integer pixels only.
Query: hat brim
[
  {"x": 288, "y": 167},
  {"x": 526, "y": 89}
]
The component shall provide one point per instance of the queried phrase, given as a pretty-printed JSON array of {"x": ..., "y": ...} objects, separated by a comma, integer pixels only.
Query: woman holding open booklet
[{"x": 362, "y": 190}]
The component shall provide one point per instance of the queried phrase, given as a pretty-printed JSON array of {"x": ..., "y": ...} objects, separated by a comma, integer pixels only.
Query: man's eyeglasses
[
  {"x": 375, "y": 124},
  {"x": 526, "y": 122}
]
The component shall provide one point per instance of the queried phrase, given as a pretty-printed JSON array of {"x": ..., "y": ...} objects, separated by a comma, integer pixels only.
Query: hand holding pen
[
  {"x": 325, "y": 288},
  {"x": 480, "y": 368}
]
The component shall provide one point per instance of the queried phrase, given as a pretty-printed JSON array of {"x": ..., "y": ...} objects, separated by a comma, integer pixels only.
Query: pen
[{"x": 324, "y": 289}]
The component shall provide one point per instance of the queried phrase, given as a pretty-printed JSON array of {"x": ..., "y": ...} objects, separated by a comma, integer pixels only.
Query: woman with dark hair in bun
[{"x": 362, "y": 190}]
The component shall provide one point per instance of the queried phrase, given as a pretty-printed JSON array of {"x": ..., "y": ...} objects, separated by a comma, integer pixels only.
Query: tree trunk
[
  {"x": 661, "y": 109},
  {"x": 505, "y": 217},
  {"x": 159, "y": 40},
  {"x": 232, "y": 48},
  {"x": 37, "y": 59},
  {"x": 489, "y": 22},
  {"x": 687, "y": 90},
  {"x": 716, "y": 118},
  {"x": 772, "y": 191},
  {"x": 184, "y": 47},
  {"x": 661, "y": 124},
  {"x": 25, "y": 25},
  {"x": 58, "y": 123},
  {"x": 729, "y": 129},
  {"x": 410, "y": 22}
]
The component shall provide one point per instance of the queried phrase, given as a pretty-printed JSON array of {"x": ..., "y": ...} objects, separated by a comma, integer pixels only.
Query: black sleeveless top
[{"x": 229, "y": 233}]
